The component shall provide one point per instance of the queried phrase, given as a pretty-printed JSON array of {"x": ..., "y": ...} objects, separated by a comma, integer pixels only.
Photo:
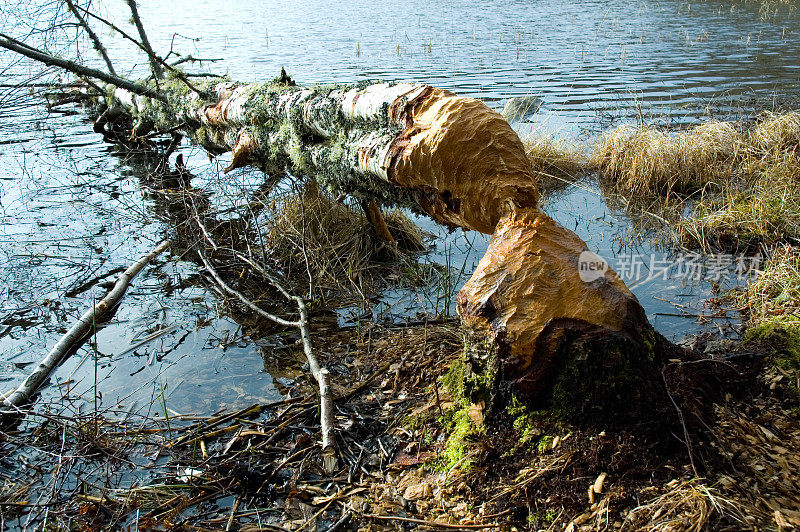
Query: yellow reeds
[
  {"x": 775, "y": 294},
  {"x": 647, "y": 159},
  {"x": 554, "y": 156},
  {"x": 742, "y": 217},
  {"x": 554, "y": 161},
  {"x": 745, "y": 188},
  {"x": 777, "y": 132}
]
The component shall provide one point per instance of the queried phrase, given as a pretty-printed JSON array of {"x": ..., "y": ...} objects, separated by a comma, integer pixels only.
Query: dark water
[{"x": 71, "y": 210}]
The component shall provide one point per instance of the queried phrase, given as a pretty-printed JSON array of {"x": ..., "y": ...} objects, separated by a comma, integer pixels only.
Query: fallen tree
[{"x": 536, "y": 327}]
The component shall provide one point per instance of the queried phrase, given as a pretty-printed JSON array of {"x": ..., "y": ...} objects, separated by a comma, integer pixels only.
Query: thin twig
[
  {"x": 687, "y": 440},
  {"x": 180, "y": 75},
  {"x": 435, "y": 524},
  {"x": 241, "y": 296},
  {"x": 98, "y": 44},
  {"x": 233, "y": 514},
  {"x": 28, "y": 51}
]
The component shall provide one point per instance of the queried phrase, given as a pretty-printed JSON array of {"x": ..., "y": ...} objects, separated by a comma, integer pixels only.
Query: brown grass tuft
[
  {"x": 332, "y": 243},
  {"x": 555, "y": 162},
  {"x": 554, "y": 156},
  {"x": 647, "y": 159},
  {"x": 777, "y": 132},
  {"x": 776, "y": 292},
  {"x": 745, "y": 189}
]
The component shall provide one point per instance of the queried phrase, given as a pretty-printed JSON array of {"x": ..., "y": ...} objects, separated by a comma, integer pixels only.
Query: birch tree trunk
[{"x": 535, "y": 320}]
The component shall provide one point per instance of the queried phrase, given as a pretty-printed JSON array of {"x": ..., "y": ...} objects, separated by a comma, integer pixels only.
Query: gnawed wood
[
  {"x": 529, "y": 277},
  {"x": 457, "y": 161},
  {"x": 375, "y": 217},
  {"x": 404, "y": 144},
  {"x": 415, "y": 146},
  {"x": 559, "y": 325}
]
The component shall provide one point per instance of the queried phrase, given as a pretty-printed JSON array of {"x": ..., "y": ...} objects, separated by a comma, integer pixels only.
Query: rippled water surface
[{"x": 71, "y": 209}]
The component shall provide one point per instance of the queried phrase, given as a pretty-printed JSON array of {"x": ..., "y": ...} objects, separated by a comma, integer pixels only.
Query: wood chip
[{"x": 598, "y": 483}]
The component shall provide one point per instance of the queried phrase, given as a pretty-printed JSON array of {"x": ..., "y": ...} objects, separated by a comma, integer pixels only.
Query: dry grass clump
[
  {"x": 776, "y": 291},
  {"x": 743, "y": 218},
  {"x": 554, "y": 156},
  {"x": 647, "y": 159},
  {"x": 761, "y": 206},
  {"x": 554, "y": 162},
  {"x": 779, "y": 132},
  {"x": 745, "y": 187},
  {"x": 315, "y": 237},
  {"x": 688, "y": 506}
]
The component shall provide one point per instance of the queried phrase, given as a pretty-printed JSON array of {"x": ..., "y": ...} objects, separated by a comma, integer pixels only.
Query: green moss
[
  {"x": 544, "y": 444},
  {"x": 466, "y": 387},
  {"x": 454, "y": 379},
  {"x": 463, "y": 433},
  {"x": 542, "y": 519},
  {"x": 783, "y": 337},
  {"x": 524, "y": 420},
  {"x": 472, "y": 378}
]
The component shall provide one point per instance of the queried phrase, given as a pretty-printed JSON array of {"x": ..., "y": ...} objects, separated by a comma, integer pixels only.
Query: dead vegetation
[
  {"x": 649, "y": 160},
  {"x": 685, "y": 505},
  {"x": 332, "y": 244},
  {"x": 775, "y": 294},
  {"x": 723, "y": 187},
  {"x": 256, "y": 468},
  {"x": 554, "y": 161}
]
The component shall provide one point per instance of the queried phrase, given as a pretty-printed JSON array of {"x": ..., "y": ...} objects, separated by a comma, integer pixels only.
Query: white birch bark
[{"x": 76, "y": 334}]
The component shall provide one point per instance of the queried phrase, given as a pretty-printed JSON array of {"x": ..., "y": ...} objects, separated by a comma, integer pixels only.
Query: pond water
[{"x": 71, "y": 209}]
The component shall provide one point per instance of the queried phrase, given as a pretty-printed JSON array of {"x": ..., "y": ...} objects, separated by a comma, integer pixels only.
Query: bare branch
[
  {"x": 225, "y": 286},
  {"x": 320, "y": 374},
  {"x": 28, "y": 51},
  {"x": 98, "y": 44},
  {"x": 154, "y": 64},
  {"x": 153, "y": 57},
  {"x": 192, "y": 59}
]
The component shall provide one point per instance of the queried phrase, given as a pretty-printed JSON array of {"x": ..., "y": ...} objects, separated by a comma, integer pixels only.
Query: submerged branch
[
  {"x": 76, "y": 335},
  {"x": 28, "y": 51}
]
